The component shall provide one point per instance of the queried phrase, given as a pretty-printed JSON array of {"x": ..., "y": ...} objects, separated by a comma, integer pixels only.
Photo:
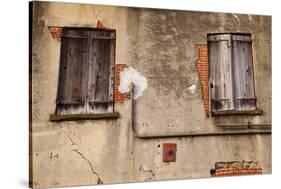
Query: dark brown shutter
[
  {"x": 220, "y": 71},
  {"x": 73, "y": 64},
  {"x": 243, "y": 73},
  {"x": 101, "y": 71},
  {"x": 86, "y": 71}
]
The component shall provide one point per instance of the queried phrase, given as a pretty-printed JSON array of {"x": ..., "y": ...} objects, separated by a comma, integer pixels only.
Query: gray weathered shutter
[
  {"x": 220, "y": 72},
  {"x": 73, "y": 63},
  {"x": 243, "y": 73},
  {"x": 101, "y": 71}
]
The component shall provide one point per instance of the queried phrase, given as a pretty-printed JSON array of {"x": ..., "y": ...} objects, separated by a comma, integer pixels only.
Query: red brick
[
  {"x": 119, "y": 97},
  {"x": 237, "y": 171},
  {"x": 56, "y": 32},
  {"x": 202, "y": 68}
]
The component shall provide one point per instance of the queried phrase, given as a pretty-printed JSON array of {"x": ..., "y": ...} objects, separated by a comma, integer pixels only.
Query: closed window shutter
[
  {"x": 72, "y": 69},
  {"x": 86, "y": 71},
  {"x": 101, "y": 71},
  {"x": 220, "y": 71},
  {"x": 243, "y": 73}
]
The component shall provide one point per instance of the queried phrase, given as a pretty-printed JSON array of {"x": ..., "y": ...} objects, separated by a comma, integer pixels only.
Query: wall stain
[
  {"x": 149, "y": 174},
  {"x": 52, "y": 156}
]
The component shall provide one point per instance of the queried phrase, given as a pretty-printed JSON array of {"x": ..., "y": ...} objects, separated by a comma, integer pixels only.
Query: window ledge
[
  {"x": 77, "y": 117},
  {"x": 234, "y": 112}
]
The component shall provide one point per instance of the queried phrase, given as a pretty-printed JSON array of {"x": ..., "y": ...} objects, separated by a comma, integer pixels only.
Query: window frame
[
  {"x": 92, "y": 35},
  {"x": 230, "y": 38}
]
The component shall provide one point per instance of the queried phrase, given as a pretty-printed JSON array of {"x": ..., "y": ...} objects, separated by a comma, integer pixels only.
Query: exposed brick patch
[
  {"x": 236, "y": 168},
  {"x": 119, "y": 97},
  {"x": 56, "y": 32},
  {"x": 202, "y": 68},
  {"x": 100, "y": 25}
]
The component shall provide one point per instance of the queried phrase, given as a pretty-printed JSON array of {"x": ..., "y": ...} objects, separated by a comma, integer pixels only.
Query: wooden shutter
[
  {"x": 101, "y": 71},
  {"x": 86, "y": 71},
  {"x": 73, "y": 65},
  {"x": 243, "y": 73},
  {"x": 220, "y": 72}
]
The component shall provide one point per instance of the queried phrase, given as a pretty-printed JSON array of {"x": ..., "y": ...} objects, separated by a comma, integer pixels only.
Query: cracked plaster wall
[{"x": 161, "y": 45}]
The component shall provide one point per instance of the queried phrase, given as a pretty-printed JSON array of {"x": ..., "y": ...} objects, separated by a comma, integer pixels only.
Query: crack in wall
[
  {"x": 76, "y": 150},
  {"x": 90, "y": 164}
]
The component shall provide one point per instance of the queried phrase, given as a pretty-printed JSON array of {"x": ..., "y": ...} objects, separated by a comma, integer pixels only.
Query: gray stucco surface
[{"x": 161, "y": 45}]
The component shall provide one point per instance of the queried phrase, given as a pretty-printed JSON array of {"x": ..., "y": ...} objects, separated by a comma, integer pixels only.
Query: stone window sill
[
  {"x": 78, "y": 117},
  {"x": 233, "y": 112}
]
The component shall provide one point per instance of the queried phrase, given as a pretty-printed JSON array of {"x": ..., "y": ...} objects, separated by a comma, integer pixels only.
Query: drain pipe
[
  {"x": 240, "y": 125},
  {"x": 186, "y": 134},
  {"x": 133, "y": 109}
]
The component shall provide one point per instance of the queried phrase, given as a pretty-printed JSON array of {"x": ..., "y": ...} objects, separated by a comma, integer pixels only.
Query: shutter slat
[
  {"x": 212, "y": 53},
  {"x": 243, "y": 74},
  {"x": 79, "y": 52},
  {"x": 221, "y": 73},
  {"x": 71, "y": 89},
  {"x": 213, "y": 66},
  {"x": 62, "y": 72},
  {"x": 102, "y": 76},
  {"x": 72, "y": 79},
  {"x": 101, "y": 90},
  {"x": 111, "y": 72}
]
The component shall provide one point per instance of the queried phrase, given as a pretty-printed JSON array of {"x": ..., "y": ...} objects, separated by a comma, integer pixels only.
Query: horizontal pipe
[
  {"x": 204, "y": 134},
  {"x": 133, "y": 114},
  {"x": 241, "y": 124},
  {"x": 249, "y": 125}
]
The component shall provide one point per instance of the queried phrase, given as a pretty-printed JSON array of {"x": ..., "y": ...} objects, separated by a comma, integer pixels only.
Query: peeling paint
[
  {"x": 129, "y": 76},
  {"x": 192, "y": 88}
]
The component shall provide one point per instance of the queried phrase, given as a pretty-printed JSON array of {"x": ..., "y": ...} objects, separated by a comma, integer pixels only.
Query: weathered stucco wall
[{"x": 161, "y": 46}]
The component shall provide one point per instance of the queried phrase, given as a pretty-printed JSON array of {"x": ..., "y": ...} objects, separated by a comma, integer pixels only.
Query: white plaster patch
[
  {"x": 192, "y": 88},
  {"x": 130, "y": 75}
]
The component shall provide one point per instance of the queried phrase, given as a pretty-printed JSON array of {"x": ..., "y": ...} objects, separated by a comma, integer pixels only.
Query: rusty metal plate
[{"x": 169, "y": 152}]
